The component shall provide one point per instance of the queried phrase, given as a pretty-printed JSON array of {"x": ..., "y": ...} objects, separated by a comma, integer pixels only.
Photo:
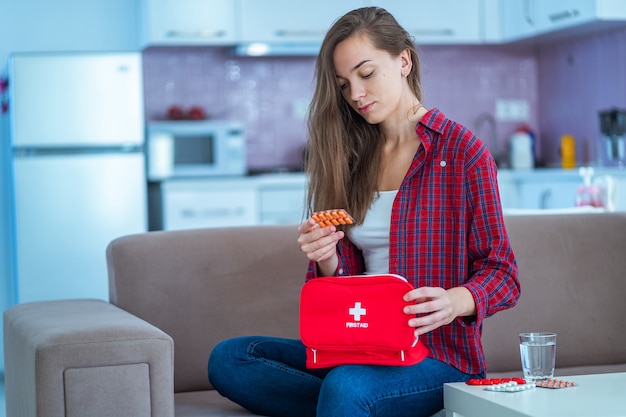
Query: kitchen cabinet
[
  {"x": 189, "y": 22},
  {"x": 230, "y": 22},
  {"x": 538, "y": 189},
  {"x": 507, "y": 187},
  {"x": 619, "y": 192},
  {"x": 282, "y": 204},
  {"x": 243, "y": 22},
  {"x": 559, "y": 14},
  {"x": 244, "y": 201},
  {"x": 522, "y": 19},
  {"x": 516, "y": 19},
  {"x": 190, "y": 204},
  {"x": 280, "y": 198},
  {"x": 555, "y": 188},
  {"x": 539, "y": 193},
  {"x": 440, "y": 22},
  {"x": 282, "y": 21}
]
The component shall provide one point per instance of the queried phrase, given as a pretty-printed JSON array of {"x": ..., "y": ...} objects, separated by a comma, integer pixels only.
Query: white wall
[{"x": 56, "y": 25}]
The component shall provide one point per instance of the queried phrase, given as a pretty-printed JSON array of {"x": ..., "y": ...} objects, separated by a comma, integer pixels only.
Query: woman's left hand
[{"x": 436, "y": 307}]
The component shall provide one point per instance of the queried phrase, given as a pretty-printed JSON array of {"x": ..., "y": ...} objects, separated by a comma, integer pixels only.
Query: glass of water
[{"x": 538, "y": 353}]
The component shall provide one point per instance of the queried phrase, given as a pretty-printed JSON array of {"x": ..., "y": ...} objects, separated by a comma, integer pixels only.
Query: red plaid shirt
[{"x": 447, "y": 230}]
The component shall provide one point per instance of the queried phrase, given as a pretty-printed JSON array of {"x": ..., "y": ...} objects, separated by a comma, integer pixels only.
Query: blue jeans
[{"x": 268, "y": 376}]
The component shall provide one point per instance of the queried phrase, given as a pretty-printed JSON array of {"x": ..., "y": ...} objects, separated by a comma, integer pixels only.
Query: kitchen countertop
[
  {"x": 292, "y": 176},
  {"x": 556, "y": 173},
  {"x": 269, "y": 179},
  {"x": 563, "y": 182}
]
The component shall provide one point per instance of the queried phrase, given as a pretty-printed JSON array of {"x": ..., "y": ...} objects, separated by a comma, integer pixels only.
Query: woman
[{"x": 423, "y": 192}]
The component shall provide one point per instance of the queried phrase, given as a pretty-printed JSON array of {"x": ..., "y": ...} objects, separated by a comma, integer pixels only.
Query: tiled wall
[
  {"x": 465, "y": 82},
  {"x": 564, "y": 83},
  {"x": 577, "y": 79},
  {"x": 264, "y": 93},
  {"x": 268, "y": 94}
]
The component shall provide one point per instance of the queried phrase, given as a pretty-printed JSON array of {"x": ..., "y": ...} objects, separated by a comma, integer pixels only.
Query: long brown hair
[{"x": 344, "y": 151}]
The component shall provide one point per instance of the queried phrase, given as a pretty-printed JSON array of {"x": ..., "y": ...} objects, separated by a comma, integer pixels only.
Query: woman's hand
[
  {"x": 319, "y": 245},
  {"x": 436, "y": 307}
]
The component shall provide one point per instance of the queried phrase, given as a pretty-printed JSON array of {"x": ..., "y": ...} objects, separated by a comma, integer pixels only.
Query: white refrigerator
[{"x": 76, "y": 169}]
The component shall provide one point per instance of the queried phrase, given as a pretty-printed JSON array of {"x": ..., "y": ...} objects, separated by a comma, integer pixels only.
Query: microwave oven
[{"x": 177, "y": 149}]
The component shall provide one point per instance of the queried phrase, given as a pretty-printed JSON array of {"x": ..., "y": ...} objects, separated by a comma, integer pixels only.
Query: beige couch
[{"x": 174, "y": 295}]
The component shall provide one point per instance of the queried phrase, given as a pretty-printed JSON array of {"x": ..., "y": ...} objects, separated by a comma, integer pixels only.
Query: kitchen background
[
  {"x": 559, "y": 85},
  {"x": 564, "y": 83},
  {"x": 269, "y": 94}
]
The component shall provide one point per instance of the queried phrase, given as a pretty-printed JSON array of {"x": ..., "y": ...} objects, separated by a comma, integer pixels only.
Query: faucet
[{"x": 492, "y": 143}]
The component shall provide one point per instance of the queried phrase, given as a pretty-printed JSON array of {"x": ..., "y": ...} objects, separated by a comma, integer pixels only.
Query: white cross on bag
[{"x": 357, "y": 311}]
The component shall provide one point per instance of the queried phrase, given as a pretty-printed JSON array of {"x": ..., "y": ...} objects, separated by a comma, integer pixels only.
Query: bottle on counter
[
  {"x": 568, "y": 151},
  {"x": 597, "y": 191},
  {"x": 522, "y": 149},
  {"x": 588, "y": 194}
]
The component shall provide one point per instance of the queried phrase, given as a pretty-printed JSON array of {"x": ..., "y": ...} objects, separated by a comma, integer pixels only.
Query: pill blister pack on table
[
  {"x": 555, "y": 383},
  {"x": 510, "y": 387},
  {"x": 495, "y": 381},
  {"x": 502, "y": 384},
  {"x": 519, "y": 384}
]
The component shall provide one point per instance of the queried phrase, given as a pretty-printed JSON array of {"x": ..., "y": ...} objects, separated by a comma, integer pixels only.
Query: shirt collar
[{"x": 432, "y": 121}]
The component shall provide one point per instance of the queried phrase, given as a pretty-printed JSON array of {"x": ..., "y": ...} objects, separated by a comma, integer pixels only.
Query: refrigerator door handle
[{"x": 76, "y": 150}]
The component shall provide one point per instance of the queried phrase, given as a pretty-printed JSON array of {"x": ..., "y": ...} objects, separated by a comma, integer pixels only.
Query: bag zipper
[{"x": 314, "y": 351}]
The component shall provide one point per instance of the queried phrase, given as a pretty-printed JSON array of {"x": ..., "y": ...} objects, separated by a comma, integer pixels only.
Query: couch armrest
[{"x": 72, "y": 358}]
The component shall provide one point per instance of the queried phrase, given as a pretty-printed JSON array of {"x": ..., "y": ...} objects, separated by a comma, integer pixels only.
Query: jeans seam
[
  {"x": 408, "y": 393},
  {"x": 252, "y": 355},
  {"x": 372, "y": 406}
]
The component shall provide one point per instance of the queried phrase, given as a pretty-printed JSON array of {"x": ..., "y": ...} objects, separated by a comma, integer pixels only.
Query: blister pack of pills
[
  {"x": 555, "y": 383},
  {"x": 495, "y": 381},
  {"x": 510, "y": 387},
  {"x": 502, "y": 384},
  {"x": 519, "y": 384},
  {"x": 335, "y": 217}
]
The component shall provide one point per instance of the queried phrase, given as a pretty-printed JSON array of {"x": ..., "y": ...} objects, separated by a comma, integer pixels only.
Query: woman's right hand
[{"x": 319, "y": 244}]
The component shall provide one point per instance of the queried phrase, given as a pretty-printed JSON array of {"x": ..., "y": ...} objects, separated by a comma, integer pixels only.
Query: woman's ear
[{"x": 405, "y": 62}]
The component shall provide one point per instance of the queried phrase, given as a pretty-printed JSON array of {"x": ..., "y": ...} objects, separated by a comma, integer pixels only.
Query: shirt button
[
  {"x": 442, "y": 164},
  {"x": 340, "y": 271}
]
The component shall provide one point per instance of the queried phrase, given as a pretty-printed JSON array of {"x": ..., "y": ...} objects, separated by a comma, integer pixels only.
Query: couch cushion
[
  {"x": 206, "y": 285},
  {"x": 573, "y": 280}
]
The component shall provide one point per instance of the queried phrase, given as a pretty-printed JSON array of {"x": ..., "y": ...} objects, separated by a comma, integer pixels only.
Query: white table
[{"x": 599, "y": 395}]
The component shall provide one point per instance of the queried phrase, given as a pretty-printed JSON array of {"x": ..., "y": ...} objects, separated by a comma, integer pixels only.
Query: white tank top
[{"x": 372, "y": 237}]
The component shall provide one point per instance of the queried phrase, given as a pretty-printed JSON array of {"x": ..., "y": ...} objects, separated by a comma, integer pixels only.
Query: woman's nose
[{"x": 356, "y": 91}]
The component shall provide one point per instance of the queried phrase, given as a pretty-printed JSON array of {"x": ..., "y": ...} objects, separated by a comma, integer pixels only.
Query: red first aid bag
[{"x": 358, "y": 320}]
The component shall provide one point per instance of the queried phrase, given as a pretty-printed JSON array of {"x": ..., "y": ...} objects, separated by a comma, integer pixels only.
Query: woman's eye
[
  {"x": 368, "y": 75},
  {"x": 343, "y": 86}
]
